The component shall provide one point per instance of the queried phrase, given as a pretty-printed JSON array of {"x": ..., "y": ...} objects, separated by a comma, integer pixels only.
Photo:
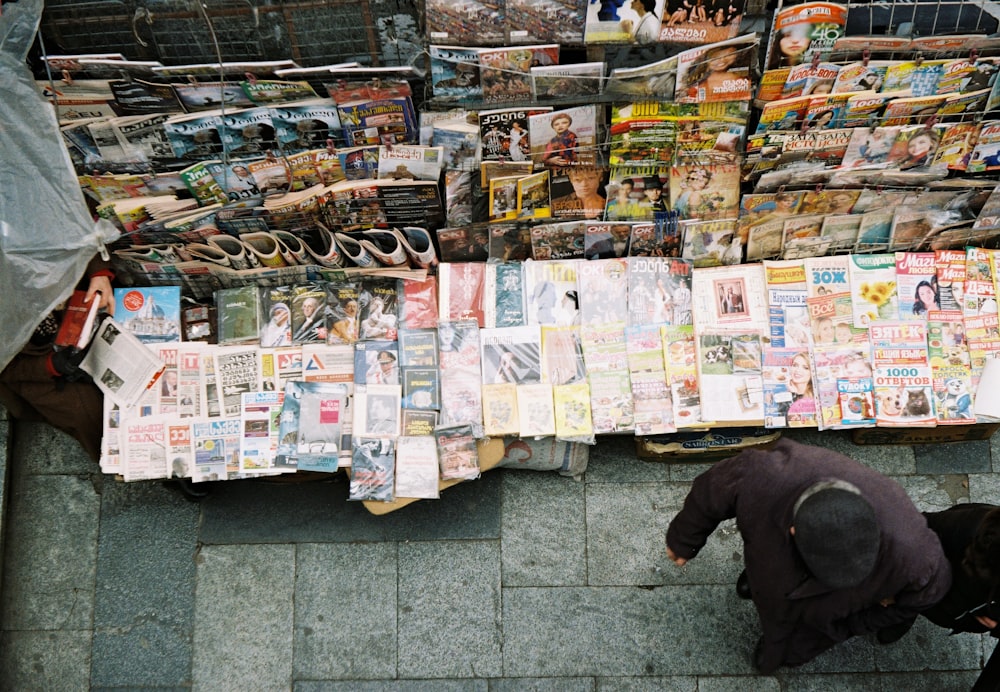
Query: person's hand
[
  {"x": 102, "y": 285},
  {"x": 989, "y": 623},
  {"x": 679, "y": 561},
  {"x": 66, "y": 362}
]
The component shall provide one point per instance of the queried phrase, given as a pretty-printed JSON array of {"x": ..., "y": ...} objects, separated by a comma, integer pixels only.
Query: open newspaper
[{"x": 122, "y": 366}]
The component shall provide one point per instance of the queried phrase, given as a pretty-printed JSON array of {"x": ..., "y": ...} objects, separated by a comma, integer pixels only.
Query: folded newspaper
[{"x": 122, "y": 366}]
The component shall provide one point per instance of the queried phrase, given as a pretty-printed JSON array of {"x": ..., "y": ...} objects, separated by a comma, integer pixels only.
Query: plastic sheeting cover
[{"x": 46, "y": 234}]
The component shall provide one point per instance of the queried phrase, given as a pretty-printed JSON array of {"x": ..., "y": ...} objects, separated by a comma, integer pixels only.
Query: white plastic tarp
[{"x": 46, "y": 234}]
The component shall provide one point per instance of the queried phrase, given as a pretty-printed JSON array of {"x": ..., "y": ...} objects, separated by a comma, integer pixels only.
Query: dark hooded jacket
[{"x": 801, "y": 617}]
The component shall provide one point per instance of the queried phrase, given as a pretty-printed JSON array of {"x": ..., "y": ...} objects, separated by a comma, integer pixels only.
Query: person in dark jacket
[
  {"x": 833, "y": 549},
  {"x": 970, "y": 536},
  {"x": 50, "y": 381}
]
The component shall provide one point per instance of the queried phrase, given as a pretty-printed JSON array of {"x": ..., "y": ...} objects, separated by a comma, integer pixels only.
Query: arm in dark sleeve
[
  {"x": 921, "y": 594},
  {"x": 712, "y": 500}
]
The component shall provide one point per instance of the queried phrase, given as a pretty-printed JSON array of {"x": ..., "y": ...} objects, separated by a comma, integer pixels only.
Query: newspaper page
[
  {"x": 237, "y": 369},
  {"x": 121, "y": 365}
]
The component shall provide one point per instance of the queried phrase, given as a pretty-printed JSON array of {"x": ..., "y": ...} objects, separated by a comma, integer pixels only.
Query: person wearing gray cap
[{"x": 833, "y": 549}]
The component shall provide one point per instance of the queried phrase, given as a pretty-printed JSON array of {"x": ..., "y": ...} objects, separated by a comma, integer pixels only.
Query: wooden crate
[{"x": 703, "y": 446}]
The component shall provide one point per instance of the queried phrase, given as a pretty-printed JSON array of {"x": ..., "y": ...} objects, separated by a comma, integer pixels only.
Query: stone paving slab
[
  {"x": 569, "y": 684},
  {"x": 449, "y": 610},
  {"x": 345, "y": 611},
  {"x": 243, "y": 618},
  {"x": 45, "y": 660},
  {"x": 544, "y": 530},
  {"x": 319, "y": 512},
  {"x": 394, "y": 686},
  {"x": 613, "y": 459},
  {"x": 935, "y": 493},
  {"x": 927, "y": 646},
  {"x": 144, "y": 601},
  {"x": 676, "y": 683},
  {"x": 626, "y": 632},
  {"x": 41, "y": 449},
  {"x": 51, "y": 558},
  {"x": 892, "y": 460},
  {"x": 626, "y": 538},
  {"x": 953, "y": 457}
]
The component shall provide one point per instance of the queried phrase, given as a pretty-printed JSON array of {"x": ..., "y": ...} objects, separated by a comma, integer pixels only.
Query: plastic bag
[{"x": 46, "y": 234}]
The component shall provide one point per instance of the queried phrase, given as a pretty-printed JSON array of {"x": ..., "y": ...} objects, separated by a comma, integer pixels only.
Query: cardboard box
[
  {"x": 703, "y": 446},
  {"x": 923, "y": 436}
]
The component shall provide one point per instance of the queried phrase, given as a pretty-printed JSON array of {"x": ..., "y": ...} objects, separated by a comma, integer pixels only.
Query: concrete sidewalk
[{"x": 518, "y": 581}]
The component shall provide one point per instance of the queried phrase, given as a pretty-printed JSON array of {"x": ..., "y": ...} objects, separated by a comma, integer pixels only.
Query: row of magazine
[{"x": 893, "y": 339}]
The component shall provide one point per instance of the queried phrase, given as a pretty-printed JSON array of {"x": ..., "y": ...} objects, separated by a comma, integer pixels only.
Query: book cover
[
  {"x": 788, "y": 316},
  {"x": 802, "y": 31},
  {"x": 309, "y": 317},
  {"x": 565, "y": 137},
  {"x": 373, "y": 466},
  {"x": 827, "y": 275},
  {"x": 606, "y": 240},
  {"x": 342, "y": 309},
  {"x": 789, "y": 401},
  {"x": 986, "y": 154},
  {"x": 78, "y": 323},
  {"x": 572, "y": 410},
  {"x": 417, "y": 470},
  {"x": 533, "y": 197},
  {"x": 500, "y": 409},
  {"x": 419, "y": 423},
  {"x": 460, "y": 291},
  {"x": 503, "y": 199},
  {"x": 695, "y": 24},
  {"x": 717, "y": 72},
  {"x": 604, "y": 287},
  {"x": 503, "y": 295},
  {"x": 916, "y": 284},
  {"x": 311, "y": 431},
  {"x": 466, "y": 22},
  {"x": 461, "y": 373},
  {"x": 380, "y": 121},
  {"x": 505, "y": 73},
  {"x": 239, "y": 312},
  {"x": 418, "y": 348},
  {"x": 705, "y": 192},
  {"x": 729, "y": 372},
  {"x": 604, "y": 348},
  {"x": 873, "y": 288},
  {"x": 376, "y": 362},
  {"x": 457, "y": 452},
  {"x": 731, "y": 297},
  {"x": 454, "y": 72},
  {"x": 653, "y": 406},
  {"x": 267, "y": 91},
  {"x": 611, "y": 404},
  {"x": 410, "y": 162},
  {"x": 152, "y": 314},
  {"x": 712, "y": 243},
  {"x": 875, "y": 231},
  {"x": 558, "y": 241},
  {"x": 562, "y": 354},
  {"x": 535, "y": 410},
  {"x": 902, "y": 373},
  {"x": 659, "y": 290},
  {"x": 460, "y": 142},
  {"x": 377, "y": 410},
  {"x": 248, "y": 132},
  {"x": 421, "y": 387},
  {"x": 841, "y": 231},
  {"x": 950, "y": 278},
  {"x": 504, "y": 133},
  {"x": 551, "y": 291},
  {"x": 511, "y": 355},
  {"x": 378, "y": 303},
  {"x": 980, "y": 288},
  {"x": 195, "y": 137},
  {"x": 532, "y": 21},
  {"x": 557, "y": 82},
  {"x": 306, "y": 125}
]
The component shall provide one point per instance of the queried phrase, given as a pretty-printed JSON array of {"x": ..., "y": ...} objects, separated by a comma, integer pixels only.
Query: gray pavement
[{"x": 518, "y": 581}]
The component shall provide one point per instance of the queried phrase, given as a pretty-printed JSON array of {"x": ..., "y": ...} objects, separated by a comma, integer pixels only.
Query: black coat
[
  {"x": 956, "y": 528},
  {"x": 800, "y": 617}
]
